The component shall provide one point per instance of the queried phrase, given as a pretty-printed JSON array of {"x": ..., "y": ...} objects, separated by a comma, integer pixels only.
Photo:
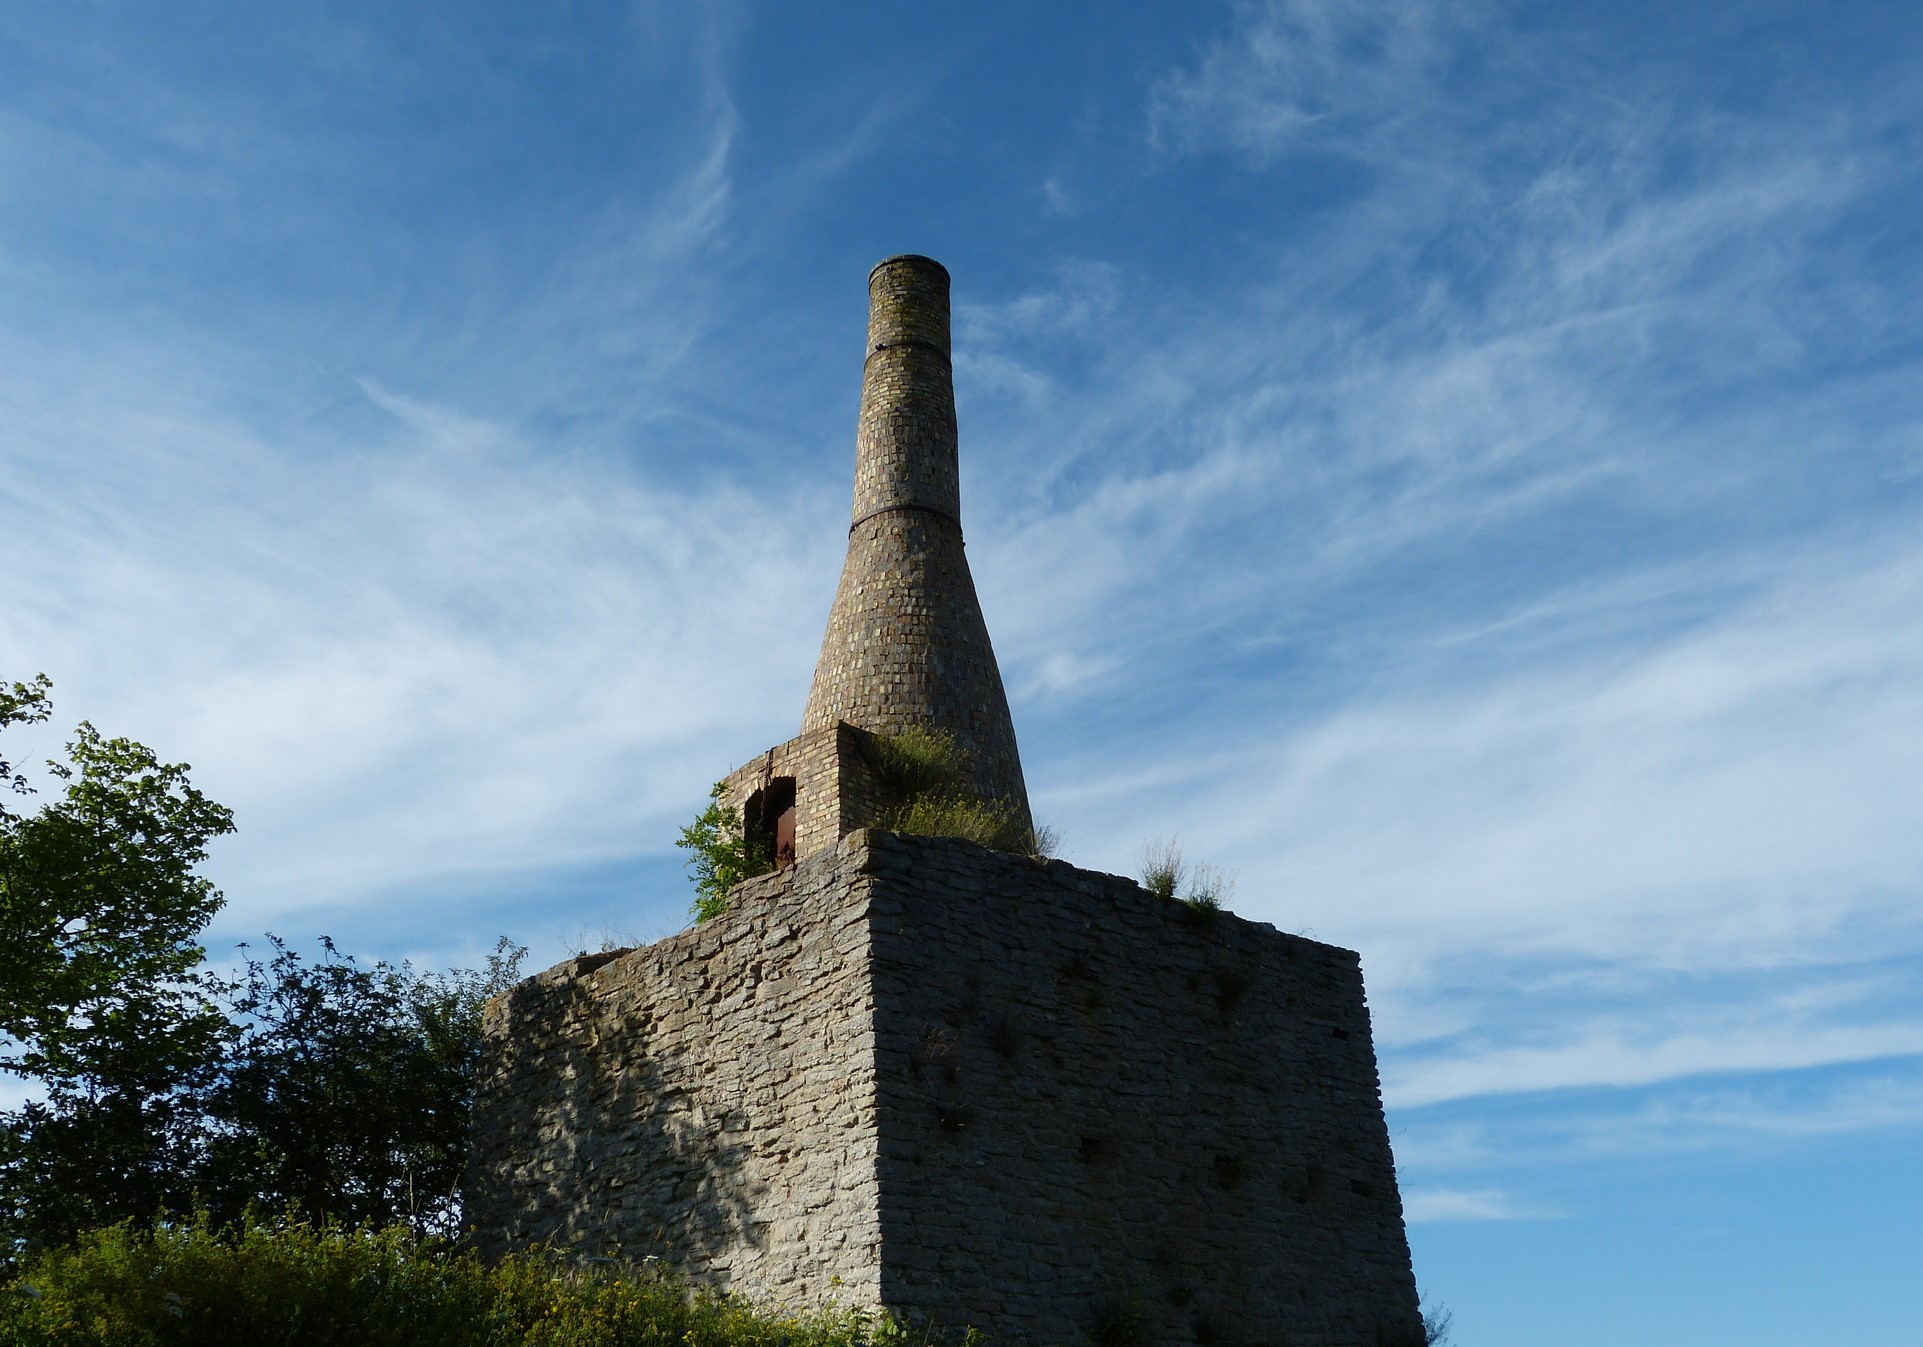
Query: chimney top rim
[{"x": 913, "y": 259}]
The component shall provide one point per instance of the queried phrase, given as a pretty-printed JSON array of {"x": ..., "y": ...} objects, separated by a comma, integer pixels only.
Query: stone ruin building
[{"x": 910, "y": 1073}]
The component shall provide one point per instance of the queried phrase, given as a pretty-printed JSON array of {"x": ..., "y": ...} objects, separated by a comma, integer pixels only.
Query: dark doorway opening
[{"x": 769, "y": 821}]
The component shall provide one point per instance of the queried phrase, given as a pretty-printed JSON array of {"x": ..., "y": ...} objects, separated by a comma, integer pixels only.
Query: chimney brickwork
[{"x": 906, "y": 643}]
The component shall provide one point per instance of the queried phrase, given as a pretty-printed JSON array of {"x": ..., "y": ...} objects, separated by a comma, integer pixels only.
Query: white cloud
[
  {"x": 1304, "y": 71},
  {"x": 1536, "y": 617},
  {"x": 1726, "y": 1043},
  {"x": 1709, "y": 1118},
  {"x": 1760, "y": 1113},
  {"x": 444, "y": 648},
  {"x": 406, "y": 638},
  {"x": 1521, "y": 617},
  {"x": 1482, "y": 1204},
  {"x": 1735, "y": 791}
]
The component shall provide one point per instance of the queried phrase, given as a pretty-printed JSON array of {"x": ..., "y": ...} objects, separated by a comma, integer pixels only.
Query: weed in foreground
[{"x": 305, "y": 1285}]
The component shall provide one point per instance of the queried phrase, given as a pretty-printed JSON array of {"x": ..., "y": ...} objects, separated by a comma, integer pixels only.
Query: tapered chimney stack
[{"x": 906, "y": 644}]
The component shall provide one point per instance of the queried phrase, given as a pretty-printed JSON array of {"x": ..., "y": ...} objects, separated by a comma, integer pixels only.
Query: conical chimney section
[{"x": 906, "y": 644}]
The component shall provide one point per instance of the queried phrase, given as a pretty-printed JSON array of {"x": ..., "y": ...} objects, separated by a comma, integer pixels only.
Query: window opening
[{"x": 770, "y": 820}]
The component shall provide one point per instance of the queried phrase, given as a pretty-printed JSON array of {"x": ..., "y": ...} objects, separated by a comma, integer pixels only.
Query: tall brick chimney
[{"x": 906, "y": 644}]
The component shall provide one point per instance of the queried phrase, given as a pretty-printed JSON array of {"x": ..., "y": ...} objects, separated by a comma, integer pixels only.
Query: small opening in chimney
[{"x": 769, "y": 820}]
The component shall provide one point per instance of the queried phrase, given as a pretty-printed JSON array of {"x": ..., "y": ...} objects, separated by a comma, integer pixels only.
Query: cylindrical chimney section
[
  {"x": 906, "y": 644},
  {"x": 905, "y": 441}
]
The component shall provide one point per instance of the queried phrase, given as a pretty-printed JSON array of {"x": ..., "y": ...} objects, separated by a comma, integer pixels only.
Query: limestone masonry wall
[
  {"x": 970, "y": 1086},
  {"x": 706, "y": 1099},
  {"x": 1098, "y": 1103}
]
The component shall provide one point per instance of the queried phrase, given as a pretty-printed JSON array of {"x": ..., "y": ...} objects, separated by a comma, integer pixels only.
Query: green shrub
[
  {"x": 296, "y": 1285},
  {"x": 926, "y": 773},
  {"x": 720, "y": 856}
]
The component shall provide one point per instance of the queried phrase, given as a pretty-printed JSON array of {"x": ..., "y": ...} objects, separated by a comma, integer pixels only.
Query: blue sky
[{"x": 1457, "y": 466}]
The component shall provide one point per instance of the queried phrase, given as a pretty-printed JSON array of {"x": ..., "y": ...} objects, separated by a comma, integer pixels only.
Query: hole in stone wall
[
  {"x": 1315, "y": 1182},
  {"x": 1341, "y": 1033},
  {"x": 1229, "y": 1171},
  {"x": 1082, "y": 975},
  {"x": 1230, "y": 985},
  {"x": 1362, "y": 1187},
  {"x": 1004, "y": 1038},
  {"x": 1093, "y": 1149}
]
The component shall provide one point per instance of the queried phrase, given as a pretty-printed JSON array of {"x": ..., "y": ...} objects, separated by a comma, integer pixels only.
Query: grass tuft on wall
[{"x": 926, "y": 772}]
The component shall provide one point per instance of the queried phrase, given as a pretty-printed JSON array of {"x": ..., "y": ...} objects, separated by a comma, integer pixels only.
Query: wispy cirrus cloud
[
  {"x": 461, "y": 653},
  {"x": 1460, "y": 1204},
  {"x": 1308, "y": 73},
  {"x": 1501, "y": 554},
  {"x": 1730, "y": 1116},
  {"x": 1538, "y": 618},
  {"x": 441, "y": 601}
]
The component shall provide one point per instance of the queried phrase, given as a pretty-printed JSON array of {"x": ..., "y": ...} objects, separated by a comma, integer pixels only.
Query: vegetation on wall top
[
  {"x": 926, "y": 774},
  {"x": 1166, "y": 874},
  {"x": 924, "y": 778}
]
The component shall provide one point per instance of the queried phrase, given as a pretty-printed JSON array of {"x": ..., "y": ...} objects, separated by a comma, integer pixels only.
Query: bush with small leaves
[{"x": 720, "y": 855}]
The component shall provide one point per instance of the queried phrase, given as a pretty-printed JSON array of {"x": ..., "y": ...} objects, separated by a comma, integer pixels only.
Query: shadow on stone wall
[{"x": 610, "y": 1142}]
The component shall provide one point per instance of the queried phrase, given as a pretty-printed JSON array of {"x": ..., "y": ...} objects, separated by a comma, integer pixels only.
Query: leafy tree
[
  {"x": 339, "y": 1089},
  {"x": 348, "y": 1093},
  {"x": 719, "y": 855},
  {"x": 21, "y": 704},
  {"x": 102, "y": 1000}
]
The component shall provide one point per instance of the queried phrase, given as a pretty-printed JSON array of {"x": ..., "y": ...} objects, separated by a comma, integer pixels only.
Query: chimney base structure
[{"x": 970, "y": 1087}]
